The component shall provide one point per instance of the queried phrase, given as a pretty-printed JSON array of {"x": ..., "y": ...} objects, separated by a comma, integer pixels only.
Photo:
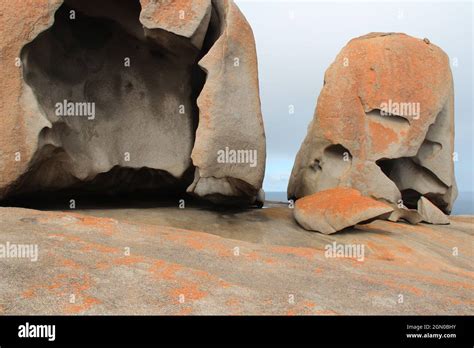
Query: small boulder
[
  {"x": 430, "y": 213},
  {"x": 410, "y": 215},
  {"x": 332, "y": 210}
]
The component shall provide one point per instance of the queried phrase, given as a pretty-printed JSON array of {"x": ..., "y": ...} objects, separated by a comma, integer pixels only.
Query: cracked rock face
[
  {"x": 384, "y": 125},
  {"x": 130, "y": 95}
]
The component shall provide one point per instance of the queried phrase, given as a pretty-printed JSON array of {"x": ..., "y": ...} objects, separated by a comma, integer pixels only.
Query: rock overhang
[{"x": 191, "y": 31}]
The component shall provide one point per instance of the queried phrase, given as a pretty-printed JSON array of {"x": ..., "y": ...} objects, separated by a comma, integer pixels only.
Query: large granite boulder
[
  {"x": 130, "y": 95},
  {"x": 384, "y": 125}
]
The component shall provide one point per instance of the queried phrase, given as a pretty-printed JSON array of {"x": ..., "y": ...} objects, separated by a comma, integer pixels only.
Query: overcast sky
[{"x": 298, "y": 40}]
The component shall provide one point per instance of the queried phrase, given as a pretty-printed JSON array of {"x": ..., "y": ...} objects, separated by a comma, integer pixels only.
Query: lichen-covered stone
[
  {"x": 384, "y": 124},
  {"x": 332, "y": 210}
]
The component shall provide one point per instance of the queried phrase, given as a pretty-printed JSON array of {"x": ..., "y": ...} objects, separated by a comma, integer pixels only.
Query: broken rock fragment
[
  {"x": 384, "y": 124},
  {"x": 430, "y": 213},
  {"x": 332, "y": 210},
  {"x": 129, "y": 95},
  {"x": 410, "y": 215}
]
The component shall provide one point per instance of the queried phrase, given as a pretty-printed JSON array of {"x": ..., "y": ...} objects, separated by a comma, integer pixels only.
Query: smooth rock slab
[
  {"x": 174, "y": 252},
  {"x": 333, "y": 210}
]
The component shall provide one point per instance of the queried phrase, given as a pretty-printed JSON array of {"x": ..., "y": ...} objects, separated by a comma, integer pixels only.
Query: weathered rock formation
[
  {"x": 192, "y": 256},
  {"x": 430, "y": 213},
  {"x": 384, "y": 125},
  {"x": 332, "y": 210},
  {"x": 129, "y": 95}
]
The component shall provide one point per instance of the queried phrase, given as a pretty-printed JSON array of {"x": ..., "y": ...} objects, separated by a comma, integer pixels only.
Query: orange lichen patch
[
  {"x": 86, "y": 245},
  {"x": 104, "y": 225},
  {"x": 102, "y": 265},
  {"x": 306, "y": 253},
  {"x": 340, "y": 201},
  {"x": 381, "y": 252},
  {"x": 164, "y": 270},
  {"x": 190, "y": 241},
  {"x": 254, "y": 256},
  {"x": 269, "y": 260},
  {"x": 185, "y": 284},
  {"x": 308, "y": 304},
  {"x": 234, "y": 306},
  {"x": 187, "y": 291},
  {"x": 398, "y": 285},
  {"x": 268, "y": 302},
  {"x": 459, "y": 301},
  {"x": 198, "y": 241},
  {"x": 447, "y": 283},
  {"x": 129, "y": 260},
  {"x": 436, "y": 281},
  {"x": 404, "y": 249},
  {"x": 224, "y": 284},
  {"x": 303, "y": 307},
  {"x": 381, "y": 137},
  {"x": 29, "y": 293},
  {"x": 318, "y": 270},
  {"x": 63, "y": 236},
  {"x": 64, "y": 285},
  {"x": 92, "y": 247},
  {"x": 172, "y": 15},
  {"x": 87, "y": 303},
  {"x": 70, "y": 264}
]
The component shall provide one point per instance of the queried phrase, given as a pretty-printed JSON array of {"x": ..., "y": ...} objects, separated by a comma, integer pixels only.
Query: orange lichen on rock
[
  {"x": 381, "y": 137},
  {"x": 187, "y": 291},
  {"x": 388, "y": 101},
  {"x": 164, "y": 270},
  {"x": 332, "y": 210},
  {"x": 20, "y": 124},
  {"x": 86, "y": 303},
  {"x": 180, "y": 16}
]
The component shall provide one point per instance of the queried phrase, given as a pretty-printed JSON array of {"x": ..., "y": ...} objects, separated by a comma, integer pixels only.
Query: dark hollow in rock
[
  {"x": 147, "y": 88},
  {"x": 141, "y": 102}
]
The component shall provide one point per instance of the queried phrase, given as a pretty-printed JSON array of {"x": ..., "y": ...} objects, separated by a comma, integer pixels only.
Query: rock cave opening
[
  {"x": 119, "y": 103},
  {"x": 414, "y": 181}
]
